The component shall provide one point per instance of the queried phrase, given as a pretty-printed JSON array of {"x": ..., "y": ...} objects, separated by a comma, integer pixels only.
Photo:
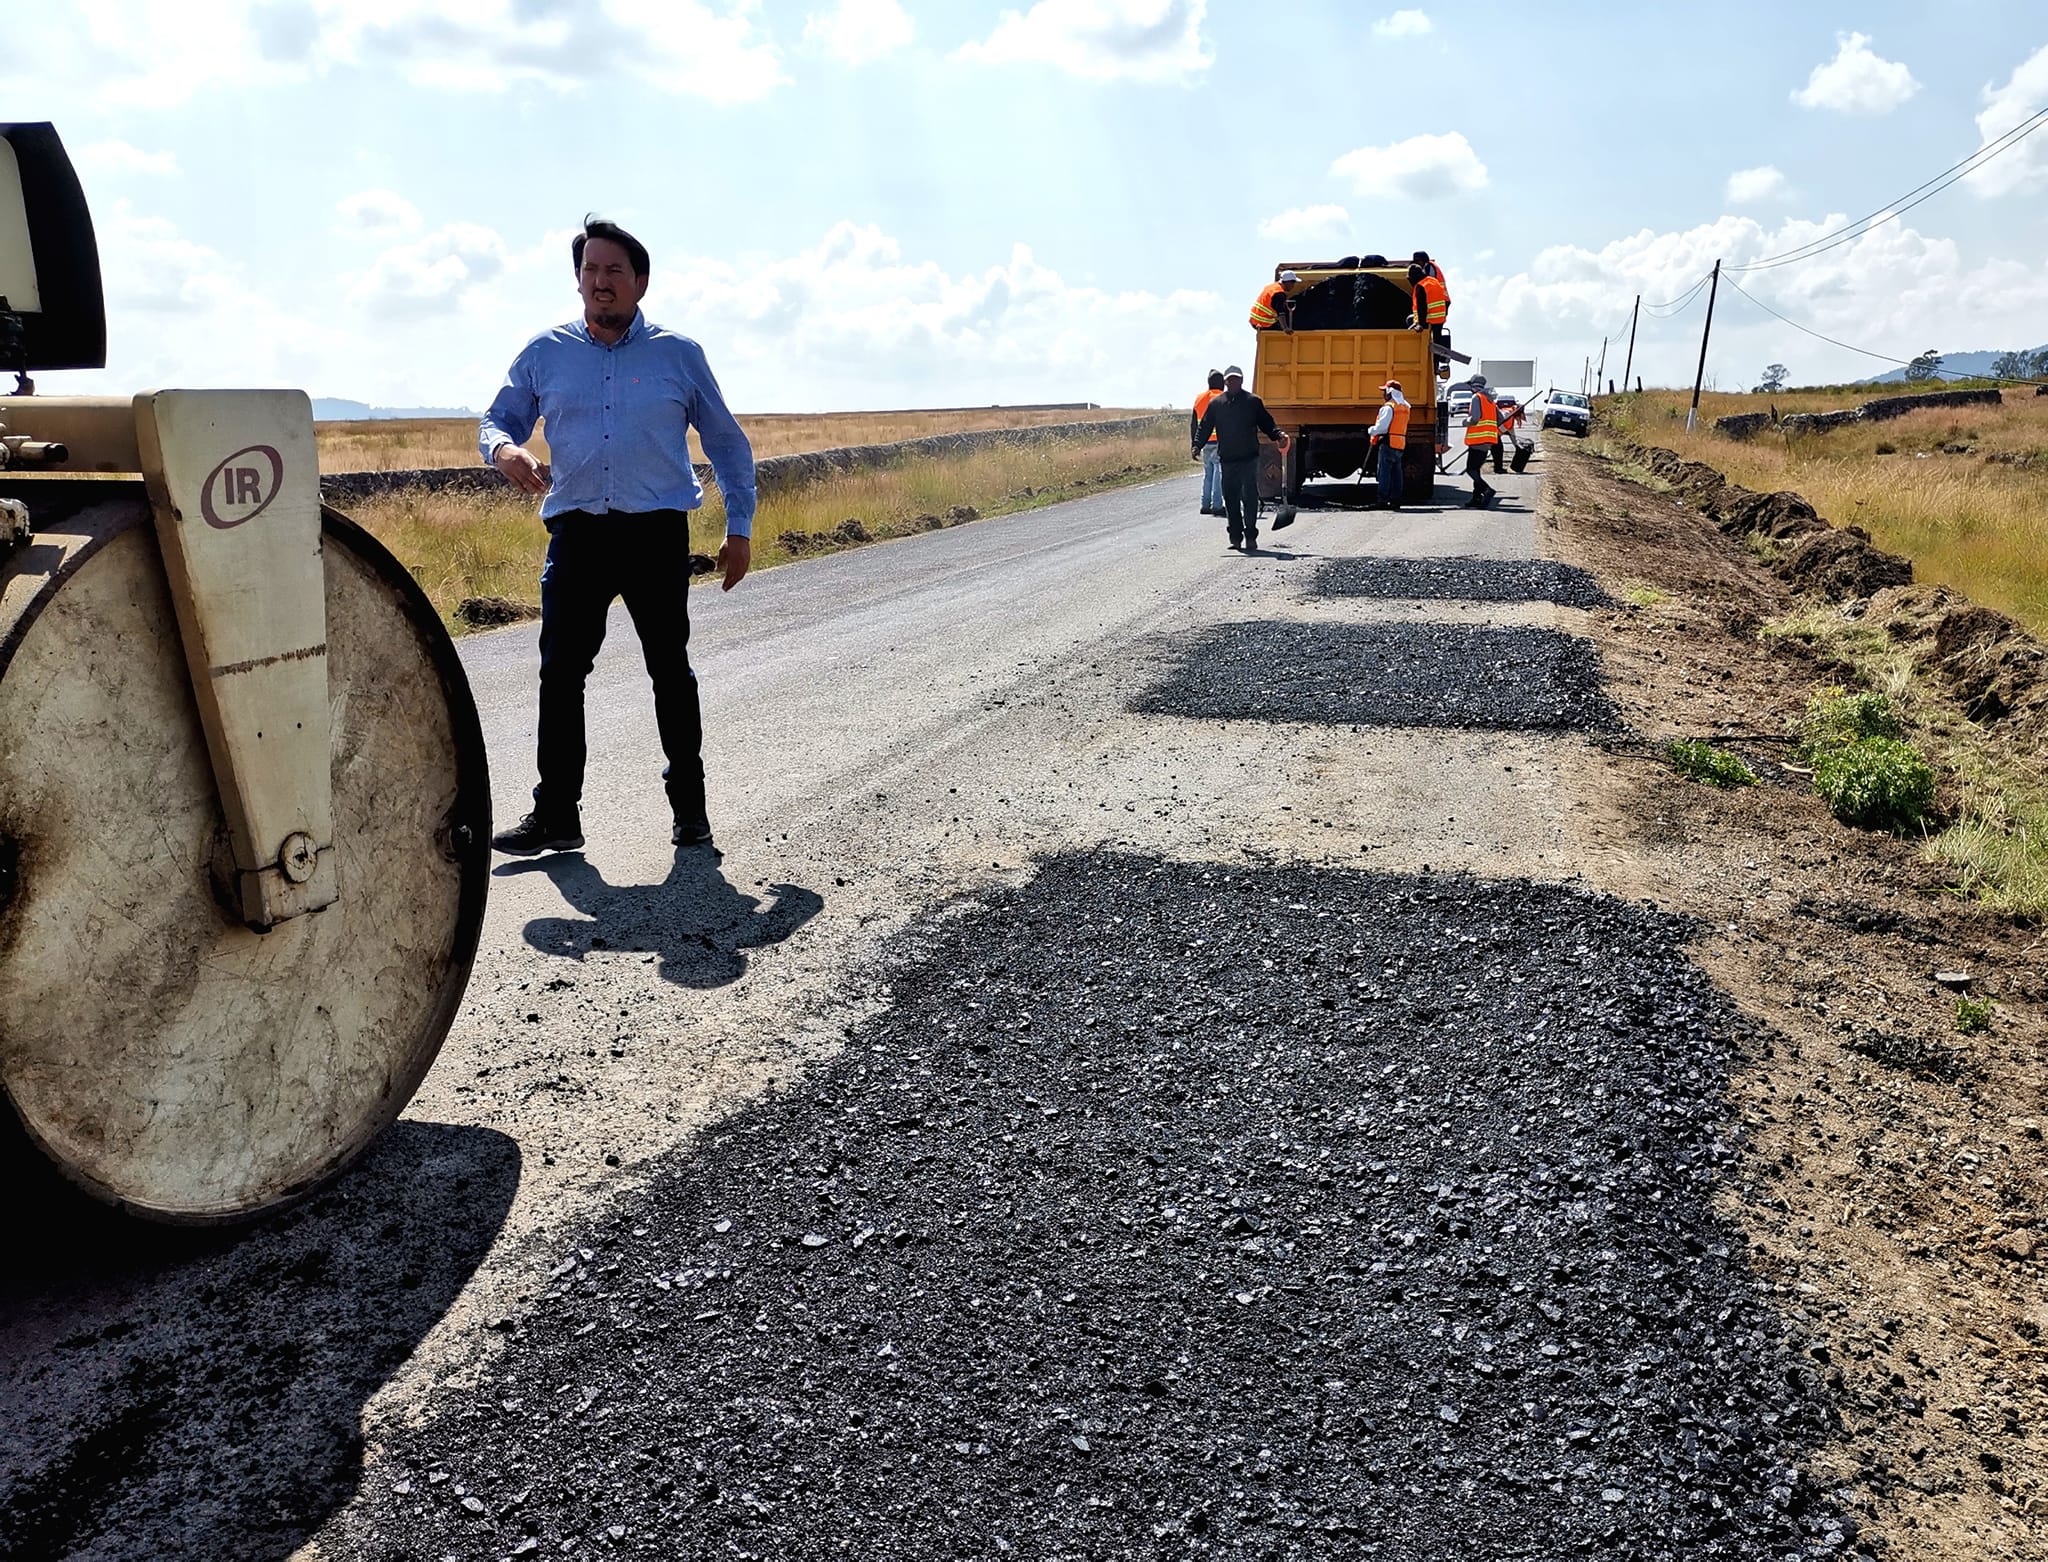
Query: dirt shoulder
[{"x": 1895, "y": 1180}]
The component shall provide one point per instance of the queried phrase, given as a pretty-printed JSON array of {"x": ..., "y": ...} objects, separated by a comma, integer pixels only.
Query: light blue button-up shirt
[{"x": 619, "y": 421}]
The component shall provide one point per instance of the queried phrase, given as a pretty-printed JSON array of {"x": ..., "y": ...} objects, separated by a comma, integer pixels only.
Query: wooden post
[
  {"x": 1693, "y": 416},
  {"x": 1631, "y": 362}
]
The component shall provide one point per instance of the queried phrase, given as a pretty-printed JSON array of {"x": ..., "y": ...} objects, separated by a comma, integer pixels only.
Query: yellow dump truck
[{"x": 1321, "y": 381}]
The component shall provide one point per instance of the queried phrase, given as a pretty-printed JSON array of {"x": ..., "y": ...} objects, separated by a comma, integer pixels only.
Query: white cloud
[
  {"x": 2025, "y": 167},
  {"x": 1877, "y": 292},
  {"x": 1402, "y": 24},
  {"x": 428, "y": 275},
  {"x": 857, "y": 31},
  {"x": 1747, "y": 185},
  {"x": 1856, "y": 80},
  {"x": 1422, "y": 167},
  {"x": 158, "y": 56},
  {"x": 377, "y": 213},
  {"x": 1102, "y": 40},
  {"x": 1307, "y": 225},
  {"x": 874, "y": 327},
  {"x": 117, "y": 159}
]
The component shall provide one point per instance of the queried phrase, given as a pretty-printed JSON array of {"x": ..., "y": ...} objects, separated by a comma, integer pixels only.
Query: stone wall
[
  {"x": 772, "y": 475},
  {"x": 1746, "y": 425}
]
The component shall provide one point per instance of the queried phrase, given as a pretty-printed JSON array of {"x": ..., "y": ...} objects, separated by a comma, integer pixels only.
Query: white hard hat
[{"x": 1288, "y": 276}]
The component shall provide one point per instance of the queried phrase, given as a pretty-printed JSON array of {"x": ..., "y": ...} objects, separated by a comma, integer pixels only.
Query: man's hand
[
  {"x": 1195, "y": 454},
  {"x": 734, "y": 560},
  {"x": 517, "y": 463}
]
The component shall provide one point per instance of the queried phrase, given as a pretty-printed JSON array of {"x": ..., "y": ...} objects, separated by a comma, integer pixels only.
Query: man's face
[
  {"x": 1233, "y": 385},
  {"x": 610, "y": 290}
]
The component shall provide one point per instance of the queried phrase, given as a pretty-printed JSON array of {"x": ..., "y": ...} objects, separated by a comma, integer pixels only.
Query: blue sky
[{"x": 869, "y": 203}]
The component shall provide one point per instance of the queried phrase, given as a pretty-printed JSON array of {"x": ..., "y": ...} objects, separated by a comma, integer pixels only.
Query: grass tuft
[
  {"x": 1698, "y": 760},
  {"x": 1973, "y": 1015},
  {"x": 1835, "y": 717},
  {"x": 1875, "y": 784}
]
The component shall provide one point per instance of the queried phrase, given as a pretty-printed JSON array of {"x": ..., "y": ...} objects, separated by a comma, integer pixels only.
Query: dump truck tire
[{"x": 170, "y": 1060}]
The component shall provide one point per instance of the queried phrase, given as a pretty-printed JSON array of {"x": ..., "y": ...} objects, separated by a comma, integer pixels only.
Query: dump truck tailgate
[{"x": 1335, "y": 376}]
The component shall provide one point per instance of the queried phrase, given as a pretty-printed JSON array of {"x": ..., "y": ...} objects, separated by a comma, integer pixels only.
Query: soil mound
[{"x": 1840, "y": 564}]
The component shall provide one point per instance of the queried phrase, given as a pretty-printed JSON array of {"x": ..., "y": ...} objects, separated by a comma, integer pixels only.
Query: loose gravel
[
  {"x": 1460, "y": 579},
  {"x": 1385, "y": 675},
  {"x": 1174, "y": 1210}
]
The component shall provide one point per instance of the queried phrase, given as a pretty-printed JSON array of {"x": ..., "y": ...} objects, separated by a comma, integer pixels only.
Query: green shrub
[
  {"x": 1973, "y": 1015},
  {"x": 1877, "y": 783},
  {"x": 1835, "y": 718},
  {"x": 1698, "y": 760}
]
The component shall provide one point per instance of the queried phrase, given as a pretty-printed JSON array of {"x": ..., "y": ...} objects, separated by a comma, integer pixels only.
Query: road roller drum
[
  {"x": 244, "y": 810},
  {"x": 166, "y": 1055}
]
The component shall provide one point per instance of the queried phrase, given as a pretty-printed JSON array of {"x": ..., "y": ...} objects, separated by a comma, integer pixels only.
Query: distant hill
[
  {"x": 331, "y": 409},
  {"x": 1954, "y": 366}
]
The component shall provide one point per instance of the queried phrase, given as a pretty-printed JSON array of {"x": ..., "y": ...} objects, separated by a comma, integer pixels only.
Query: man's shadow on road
[{"x": 694, "y": 920}]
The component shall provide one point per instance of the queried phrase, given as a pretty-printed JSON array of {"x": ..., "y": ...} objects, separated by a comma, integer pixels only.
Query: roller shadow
[
  {"x": 698, "y": 924},
  {"x": 199, "y": 1393}
]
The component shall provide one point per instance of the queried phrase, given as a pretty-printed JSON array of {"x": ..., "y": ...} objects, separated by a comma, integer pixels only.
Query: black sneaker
[
  {"x": 538, "y": 833},
  {"x": 691, "y": 832}
]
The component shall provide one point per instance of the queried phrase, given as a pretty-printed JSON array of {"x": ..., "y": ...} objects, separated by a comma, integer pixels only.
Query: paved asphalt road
[{"x": 887, "y": 730}]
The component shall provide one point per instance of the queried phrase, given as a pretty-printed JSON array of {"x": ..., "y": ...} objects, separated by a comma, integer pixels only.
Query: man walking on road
[
  {"x": 1389, "y": 440},
  {"x": 1482, "y": 442},
  {"x": 620, "y": 396},
  {"x": 1212, "y": 470},
  {"x": 1237, "y": 418}
]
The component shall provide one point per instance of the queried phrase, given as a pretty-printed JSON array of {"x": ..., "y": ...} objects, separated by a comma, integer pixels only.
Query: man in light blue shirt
[{"x": 619, "y": 396}]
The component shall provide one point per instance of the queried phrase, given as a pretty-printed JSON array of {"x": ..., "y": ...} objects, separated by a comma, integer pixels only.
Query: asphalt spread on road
[
  {"x": 1459, "y": 579},
  {"x": 1384, "y": 675},
  {"x": 1175, "y": 1209}
]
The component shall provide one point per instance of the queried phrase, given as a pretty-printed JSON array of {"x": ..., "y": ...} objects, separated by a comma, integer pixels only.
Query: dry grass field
[
  {"x": 403, "y": 444},
  {"x": 1961, "y": 491},
  {"x": 460, "y": 546}
]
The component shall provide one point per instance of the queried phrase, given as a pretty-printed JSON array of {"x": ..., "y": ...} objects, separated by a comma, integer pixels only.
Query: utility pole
[
  {"x": 1631, "y": 339},
  {"x": 1692, "y": 417},
  {"x": 1600, "y": 374},
  {"x": 1585, "y": 374}
]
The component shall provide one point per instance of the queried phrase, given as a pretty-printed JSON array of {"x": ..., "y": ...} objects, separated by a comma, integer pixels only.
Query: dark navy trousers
[{"x": 594, "y": 560}]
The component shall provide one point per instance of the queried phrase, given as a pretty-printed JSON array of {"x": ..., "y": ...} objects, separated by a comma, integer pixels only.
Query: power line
[
  {"x": 1852, "y": 347},
  {"x": 1680, "y": 304},
  {"x": 1925, "y": 191}
]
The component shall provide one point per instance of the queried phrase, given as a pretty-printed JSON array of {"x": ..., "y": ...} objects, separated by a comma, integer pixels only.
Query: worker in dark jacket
[{"x": 1237, "y": 418}]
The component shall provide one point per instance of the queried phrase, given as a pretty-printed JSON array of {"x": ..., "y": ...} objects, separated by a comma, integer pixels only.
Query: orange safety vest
[
  {"x": 1264, "y": 315},
  {"x": 1397, "y": 436},
  {"x": 1482, "y": 423},
  {"x": 1432, "y": 301},
  {"x": 1509, "y": 417},
  {"x": 1201, "y": 406}
]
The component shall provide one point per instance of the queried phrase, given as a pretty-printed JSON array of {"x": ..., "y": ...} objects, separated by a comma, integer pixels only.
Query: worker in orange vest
[
  {"x": 1482, "y": 442},
  {"x": 1389, "y": 440},
  {"x": 1271, "y": 308},
  {"x": 1422, "y": 259},
  {"x": 1212, "y": 469},
  {"x": 1432, "y": 301}
]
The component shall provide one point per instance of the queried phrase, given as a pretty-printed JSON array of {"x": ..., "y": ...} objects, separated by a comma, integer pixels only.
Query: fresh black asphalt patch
[
  {"x": 1174, "y": 1210},
  {"x": 1460, "y": 580},
  {"x": 1385, "y": 675}
]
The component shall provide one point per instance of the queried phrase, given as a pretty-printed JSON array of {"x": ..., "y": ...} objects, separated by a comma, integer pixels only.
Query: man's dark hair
[
  {"x": 1421, "y": 257},
  {"x": 598, "y": 228},
  {"x": 1215, "y": 379},
  {"x": 1416, "y": 273}
]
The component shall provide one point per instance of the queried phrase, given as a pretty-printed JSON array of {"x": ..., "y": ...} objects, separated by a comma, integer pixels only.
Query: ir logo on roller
[{"x": 242, "y": 486}]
